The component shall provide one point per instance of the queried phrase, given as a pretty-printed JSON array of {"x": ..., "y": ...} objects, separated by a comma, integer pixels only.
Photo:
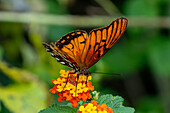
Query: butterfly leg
[
  {"x": 66, "y": 82},
  {"x": 86, "y": 79},
  {"x": 67, "y": 78},
  {"x": 77, "y": 83}
]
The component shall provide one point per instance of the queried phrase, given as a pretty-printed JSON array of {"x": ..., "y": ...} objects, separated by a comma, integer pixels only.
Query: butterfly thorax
[{"x": 83, "y": 71}]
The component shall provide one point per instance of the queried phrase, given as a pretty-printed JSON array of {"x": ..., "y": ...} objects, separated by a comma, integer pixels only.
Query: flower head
[
  {"x": 94, "y": 108},
  {"x": 70, "y": 89}
]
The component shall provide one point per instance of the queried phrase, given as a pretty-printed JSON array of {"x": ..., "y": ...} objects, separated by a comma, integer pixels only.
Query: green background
[{"x": 141, "y": 56}]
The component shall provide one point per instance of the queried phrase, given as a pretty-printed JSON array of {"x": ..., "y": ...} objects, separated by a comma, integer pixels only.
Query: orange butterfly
[{"x": 79, "y": 51}]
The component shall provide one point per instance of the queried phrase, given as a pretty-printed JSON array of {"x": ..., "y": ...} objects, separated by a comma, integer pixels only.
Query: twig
[{"x": 81, "y": 21}]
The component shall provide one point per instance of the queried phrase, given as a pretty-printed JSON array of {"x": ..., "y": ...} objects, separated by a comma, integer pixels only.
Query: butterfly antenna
[{"x": 106, "y": 73}]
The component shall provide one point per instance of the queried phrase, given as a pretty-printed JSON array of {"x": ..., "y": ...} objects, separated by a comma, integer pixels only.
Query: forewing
[
  {"x": 60, "y": 57},
  {"x": 101, "y": 40},
  {"x": 72, "y": 45}
]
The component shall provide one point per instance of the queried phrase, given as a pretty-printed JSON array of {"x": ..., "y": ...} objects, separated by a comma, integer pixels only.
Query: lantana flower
[
  {"x": 68, "y": 88},
  {"x": 93, "y": 107}
]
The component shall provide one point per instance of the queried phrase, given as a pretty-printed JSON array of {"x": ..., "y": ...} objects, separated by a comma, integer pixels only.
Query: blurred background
[{"x": 142, "y": 55}]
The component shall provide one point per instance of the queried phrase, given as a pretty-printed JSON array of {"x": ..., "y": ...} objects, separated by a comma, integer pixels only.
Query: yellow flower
[
  {"x": 63, "y": 73},
  {"x": 89, "y": 77},
  {"x": 60, "y": 87},
  {"x": 58, "y": 81},
  {"x": 94, "y": 108},
  {"x": 68, "y": 91}
]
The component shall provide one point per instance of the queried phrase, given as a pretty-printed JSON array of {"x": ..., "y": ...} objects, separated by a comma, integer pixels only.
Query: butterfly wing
[
  {"x": 101, "y": 40},
  {"x": 69, "y": 48},
  {"x": 76, "y": 50}
]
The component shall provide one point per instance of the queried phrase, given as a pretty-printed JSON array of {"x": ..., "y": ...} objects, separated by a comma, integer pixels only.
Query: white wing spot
[
  {"x": 52, "y": 54},
  {"x": 62, "y": 62},
  {"x": 47, "y": 49},
  {"x": 70, "y": 65},
  {"x": 57, "y": 59}
]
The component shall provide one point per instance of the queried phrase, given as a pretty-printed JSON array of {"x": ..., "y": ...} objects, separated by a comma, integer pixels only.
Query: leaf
[
  {"x": 123, "y": 110},
  {"x": 23, "y": 98},
  {"x": 16, "y": 74},
  {"x": 58, "y": 109},
  {"x": 26, "y": 95},
  {"x": 116, "y": 103},
  {"x": 110, "y": 100},
  {"x": 105, "y": 99}
]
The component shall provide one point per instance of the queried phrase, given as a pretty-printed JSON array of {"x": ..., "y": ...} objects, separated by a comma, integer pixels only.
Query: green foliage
[
  {"x": 116, "y": 103},
  {"x": 57, "y": 7},
  {"x": 124, "y": 59},
  {"x": 111, "y": 101},
  {"x": 149, "y": 105},
  {"x": 159, "y": 57},
  {"x": 25, "y": 95},
  {"x": 58, "y": 109},
  {"x": 0, "y": 107},
  {"x": 141, "y": 7},
  {"x": 23, "y": 98},
  {"x": 1, "y": 53}
]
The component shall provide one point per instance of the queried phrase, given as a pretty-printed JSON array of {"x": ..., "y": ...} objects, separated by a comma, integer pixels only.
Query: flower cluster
[
  {"x": 94, "y": 108},
  {"x": 70, "y": 89}
]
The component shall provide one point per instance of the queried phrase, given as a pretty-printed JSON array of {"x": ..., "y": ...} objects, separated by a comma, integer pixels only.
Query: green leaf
[
  {"x": 23, "y": 98},
  {"x": 123, "y": 110},
  {"x": 26, "y": 95},
  {"x": 58, "y": 109},
  {"x": 111, "y": 101},
  {"x": 105, "y": 99},
  {"x": 116, "y": 103}
]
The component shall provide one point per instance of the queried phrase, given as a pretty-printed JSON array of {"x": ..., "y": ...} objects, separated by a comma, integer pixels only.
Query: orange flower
[
  {"x": 94, "y": 108},
  {"x": 65, "y": 87}
]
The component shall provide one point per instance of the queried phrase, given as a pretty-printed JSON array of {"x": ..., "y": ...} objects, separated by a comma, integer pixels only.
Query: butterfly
[{"x": 79, "y": 51}]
